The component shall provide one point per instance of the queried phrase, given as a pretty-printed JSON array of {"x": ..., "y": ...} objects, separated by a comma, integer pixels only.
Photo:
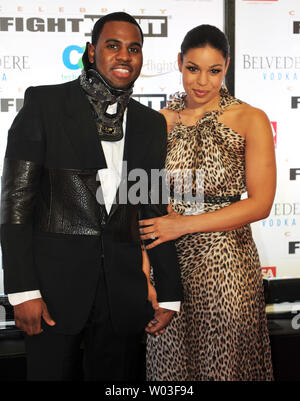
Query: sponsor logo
[
  {"x": 294, "y": 247},
  {"x": 274, "y": 129},
  {"x": 286, "y": 209},
  {"x": 283, "y": 214},
  {"x": 13, "y": 63},
  {"x": 69, "y": 77},
  {"x": 152, "y": 68},
  {"x": 285, "y": 222},
  {"x": 37, "y": 24},
  {"x": 18, "y": 63},
  {"x": 152, "y": 25},
  {"x": 273, "y": 68},
  {"x": 268, "y": 272},
  {"x": 296, "y": 27},
  {"x": 9, "y": 104},
  {"x": 155, "y": 101},
  {"x": 72, "y": 57},
  {"x": 295, "y": 102},
  {"x": 294, "y": 173}
]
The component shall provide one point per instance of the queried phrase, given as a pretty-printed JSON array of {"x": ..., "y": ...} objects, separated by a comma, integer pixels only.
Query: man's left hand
[{"x": 162, "y": 318}]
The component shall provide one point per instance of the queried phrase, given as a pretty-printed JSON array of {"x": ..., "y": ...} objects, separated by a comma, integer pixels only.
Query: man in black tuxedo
[{"x": 71, "y": 251}]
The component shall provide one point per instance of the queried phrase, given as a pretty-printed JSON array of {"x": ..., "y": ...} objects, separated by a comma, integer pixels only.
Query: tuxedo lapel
[{"x": 81, "y": 129}]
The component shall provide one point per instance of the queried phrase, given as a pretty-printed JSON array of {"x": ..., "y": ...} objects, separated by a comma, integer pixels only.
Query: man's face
[{"x": 118, "y": 53}]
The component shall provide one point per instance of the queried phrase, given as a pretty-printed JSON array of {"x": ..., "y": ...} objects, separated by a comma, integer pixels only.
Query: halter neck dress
[{"x": 221, "y": 331}]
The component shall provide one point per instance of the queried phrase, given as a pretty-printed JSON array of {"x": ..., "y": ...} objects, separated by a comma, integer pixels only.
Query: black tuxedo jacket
[{"x": 54, "y": 233}]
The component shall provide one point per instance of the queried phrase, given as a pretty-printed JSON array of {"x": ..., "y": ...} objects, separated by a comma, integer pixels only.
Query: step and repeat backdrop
[
  {"x": 267, "y": 76},
  {"x": 42, "y": 42}
]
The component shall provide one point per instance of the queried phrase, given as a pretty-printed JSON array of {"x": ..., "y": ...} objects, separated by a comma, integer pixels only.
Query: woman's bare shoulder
[
  {"x": 246, "y": 111},
  {"x": 244, "y": 118},
  {"x": 254, "y": 122}
]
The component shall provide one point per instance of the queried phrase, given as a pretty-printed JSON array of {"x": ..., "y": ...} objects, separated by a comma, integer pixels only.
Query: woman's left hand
[{"x": 162, "y": 229}]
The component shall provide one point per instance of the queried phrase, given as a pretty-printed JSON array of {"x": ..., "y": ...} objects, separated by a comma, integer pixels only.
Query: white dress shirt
[{"x": 110, "y": 179}]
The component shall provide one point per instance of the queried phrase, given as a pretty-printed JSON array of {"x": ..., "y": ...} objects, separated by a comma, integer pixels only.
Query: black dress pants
[{"x": 106, "y": 355}]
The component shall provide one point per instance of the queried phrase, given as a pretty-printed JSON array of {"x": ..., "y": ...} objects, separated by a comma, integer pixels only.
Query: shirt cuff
[
  {"x": 170, "y": 305},
  {"x": 20, "y": 297}
]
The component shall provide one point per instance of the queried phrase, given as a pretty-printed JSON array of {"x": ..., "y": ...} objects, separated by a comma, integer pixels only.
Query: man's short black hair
[
  {"x": 118, "y": 16},
  {"x": 97, "y": 29}
]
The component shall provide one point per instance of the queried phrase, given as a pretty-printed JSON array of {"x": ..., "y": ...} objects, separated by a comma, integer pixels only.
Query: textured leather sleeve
[
  {"x": 24, "y": 156},
  {"x": 20, "y": 179}
]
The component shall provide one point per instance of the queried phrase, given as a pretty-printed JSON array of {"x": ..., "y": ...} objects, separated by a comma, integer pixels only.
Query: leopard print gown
[{"x": 221, "y": 332}]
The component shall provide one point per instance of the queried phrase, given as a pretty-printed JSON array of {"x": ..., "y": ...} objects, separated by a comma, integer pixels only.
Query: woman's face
[{"x": 203, "y": 70}]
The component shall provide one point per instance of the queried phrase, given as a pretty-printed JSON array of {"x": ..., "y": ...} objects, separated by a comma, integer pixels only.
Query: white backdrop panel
[{"x": 267, "y": 76}]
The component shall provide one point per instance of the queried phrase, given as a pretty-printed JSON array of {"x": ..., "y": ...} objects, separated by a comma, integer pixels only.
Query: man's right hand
[{"x": 28, "y": 316}]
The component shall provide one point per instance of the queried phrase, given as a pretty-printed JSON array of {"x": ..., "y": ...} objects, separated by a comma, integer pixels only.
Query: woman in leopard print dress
[{"x": 220, "y": 332}]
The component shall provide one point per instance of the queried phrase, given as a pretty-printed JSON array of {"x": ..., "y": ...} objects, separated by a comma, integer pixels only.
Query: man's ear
[{"x": 91, "y": 53}]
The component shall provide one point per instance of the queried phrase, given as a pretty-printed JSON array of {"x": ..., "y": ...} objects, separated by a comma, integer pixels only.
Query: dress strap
[{"x": 179, "y": 121}]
